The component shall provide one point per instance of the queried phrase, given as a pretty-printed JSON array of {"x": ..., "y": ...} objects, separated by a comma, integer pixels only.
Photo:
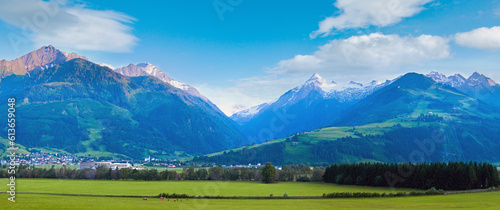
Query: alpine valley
[{"x": 68, "y": 104}]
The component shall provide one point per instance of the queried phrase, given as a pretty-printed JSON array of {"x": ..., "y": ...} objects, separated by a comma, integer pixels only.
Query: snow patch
[
  {"x": 107, "y": 65},
  {"x": 180, "y": 85}
]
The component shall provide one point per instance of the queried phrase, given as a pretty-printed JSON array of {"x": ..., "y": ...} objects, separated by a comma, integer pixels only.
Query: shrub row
[{"x": 432, "y": 191}]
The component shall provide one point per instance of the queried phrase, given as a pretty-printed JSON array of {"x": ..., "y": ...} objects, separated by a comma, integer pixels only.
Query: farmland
[
  {"x": 463, "y": 201},
  {"x": 486, "y": 200},
  {"x": 213, "y": 188}
]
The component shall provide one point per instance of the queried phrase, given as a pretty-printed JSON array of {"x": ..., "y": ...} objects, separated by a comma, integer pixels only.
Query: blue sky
[{"x": 243, "y": 52}]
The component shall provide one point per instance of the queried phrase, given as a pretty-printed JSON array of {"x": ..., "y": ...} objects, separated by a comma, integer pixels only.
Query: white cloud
[
  {"x": 249, "y": 92},
  {"x": 481, "y": 38},
  {"x": 68, "y": 26},
  {"x": 374, "y": 53},
  {"x": 363, "y": 13}
]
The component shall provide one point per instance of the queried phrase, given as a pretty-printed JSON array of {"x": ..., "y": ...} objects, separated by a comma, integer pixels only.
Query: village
[
  {"x": 42, "y": 159},
  {"x": 82, "y": 162}
]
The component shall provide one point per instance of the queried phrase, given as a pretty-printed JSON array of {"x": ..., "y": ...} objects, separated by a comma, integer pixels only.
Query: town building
[{"x": 109, "y": 164}]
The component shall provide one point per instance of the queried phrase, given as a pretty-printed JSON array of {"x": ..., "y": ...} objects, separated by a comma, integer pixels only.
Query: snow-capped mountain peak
[
  {"x": 458, "y": 77},
  {"x": 316, "y": 79},
  {"x": 354, "y": 91},
  {"x": 147, "y": 69},
  {"x": 340, "y": 91},
  {"x": 250, "y": 112},
  {"x": 480, "y": 79},
  {"x": 143, "y": 69},
  {"x": 458, "y": 81},
  {"x": 315, "y": 86},
  {"x": 438, "y": 77},
  {"x": 153, "y": 70},
  {"x": 477, "y": 85},
  {"x": 454, "y": 81}
]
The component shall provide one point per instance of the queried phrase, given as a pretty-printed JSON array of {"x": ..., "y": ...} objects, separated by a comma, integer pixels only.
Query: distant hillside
[{"x": 379, "y": 142}]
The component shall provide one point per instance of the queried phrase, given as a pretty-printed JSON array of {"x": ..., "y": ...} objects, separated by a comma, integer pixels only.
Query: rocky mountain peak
[
  {"x": 316, "y": 79},
  {"x": 42, "y": 58}
]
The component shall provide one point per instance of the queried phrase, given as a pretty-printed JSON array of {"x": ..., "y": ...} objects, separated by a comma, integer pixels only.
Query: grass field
[
  {"x": 213, "y": 188},
  {"x": 489, "y": 200},
  {"x": 5, "y": 144}
]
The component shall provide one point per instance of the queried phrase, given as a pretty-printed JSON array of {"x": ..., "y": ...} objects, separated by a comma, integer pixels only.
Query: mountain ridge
[
  {"x": 42, "y": 58},
  {"x": 147, "y": 69},
  {"x": 477, "y": 85}
]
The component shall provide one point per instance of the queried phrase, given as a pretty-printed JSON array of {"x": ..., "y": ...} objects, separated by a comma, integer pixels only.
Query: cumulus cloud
[
  {"x": 58, "y": 23},
  {"x": 367, "y": 53},
  {"x": 481, "y": 38},
  {"x": 363, "y": 13}
]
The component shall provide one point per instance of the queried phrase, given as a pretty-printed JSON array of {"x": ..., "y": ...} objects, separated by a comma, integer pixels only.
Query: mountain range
[
  {"x": 318, "y": 103},
  {"x": 314, "y": 104},
  {"x": 477, "y": 85},
  {"x": 69, "y": 104},
  {"x": 66, "y": 103},
  {"x": 412, "y": 118}
]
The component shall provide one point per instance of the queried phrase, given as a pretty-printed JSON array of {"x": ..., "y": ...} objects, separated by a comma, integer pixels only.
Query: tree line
[
  {"x": 301, "y": 173},
  {"x": 447, "y": 176},
  {"x": 429, "y": 118}
]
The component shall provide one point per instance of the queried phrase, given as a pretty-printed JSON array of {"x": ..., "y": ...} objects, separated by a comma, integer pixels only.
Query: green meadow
[
  {"x": 212, "y": 188},
  {"x": 486, "y": 200},
  {"x": 490, "y": 200}
]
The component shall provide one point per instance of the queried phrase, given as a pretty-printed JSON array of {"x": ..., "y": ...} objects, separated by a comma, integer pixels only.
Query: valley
[{"x": 231, "y": 104}]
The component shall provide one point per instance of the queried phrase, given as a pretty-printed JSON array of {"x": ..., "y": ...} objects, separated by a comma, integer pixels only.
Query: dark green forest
[{"x": 447, "y": 176}]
